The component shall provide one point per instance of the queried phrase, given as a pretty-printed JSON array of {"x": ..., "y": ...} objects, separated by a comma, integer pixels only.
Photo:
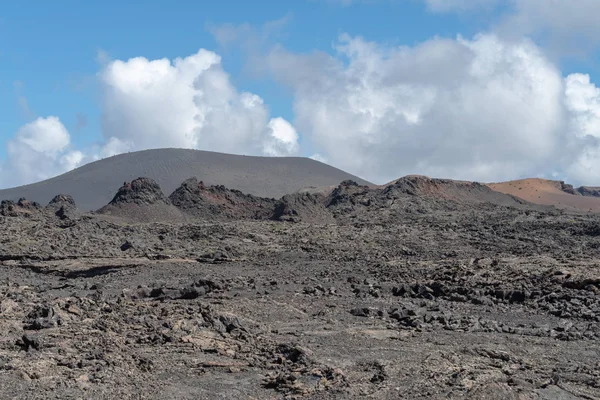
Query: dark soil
[{"x": 423, "y": 289}]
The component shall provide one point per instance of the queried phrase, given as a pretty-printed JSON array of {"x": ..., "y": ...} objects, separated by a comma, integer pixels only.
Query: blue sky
[
  {"x": 52, "y": 56},
  {"x": 52, "y": 49}
]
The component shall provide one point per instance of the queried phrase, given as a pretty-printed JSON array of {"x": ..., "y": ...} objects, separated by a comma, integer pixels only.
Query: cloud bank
[
  {"x": 39, "y": 150},
  {"x": 188, "y": 102},
  {"x": 482, "y": 109},
  {"x": 485, "y": 108}
]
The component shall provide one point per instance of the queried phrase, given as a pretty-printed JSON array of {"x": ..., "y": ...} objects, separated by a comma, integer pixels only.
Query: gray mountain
[{"x": 94, "y": 185}]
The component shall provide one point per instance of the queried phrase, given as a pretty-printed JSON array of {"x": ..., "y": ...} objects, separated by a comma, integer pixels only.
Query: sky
[{"x": 484, "y": 90}]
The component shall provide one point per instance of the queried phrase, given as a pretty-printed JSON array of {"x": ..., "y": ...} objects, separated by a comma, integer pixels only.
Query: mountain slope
[
  {"x": 554, "y": 193},
  {"x": 94, "y": 185}
]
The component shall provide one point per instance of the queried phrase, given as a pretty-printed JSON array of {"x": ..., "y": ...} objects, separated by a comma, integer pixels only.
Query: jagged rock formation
[
  {"x": 21, "y": 208},
  {"x": 210, "y": 202},
  {"x": 141, "y": 191},
  {"x": 304, "y": 206},
  {"x": 408, "y": 195},
  {"x": 447, "y": 189},
  {"x": 567, "y": 188},
  {"x": 141, "y": 200},
  {"x": 63, "y": 206},
  {"x": 589, "y": 191},
  {"x": 61, "y": 200}
]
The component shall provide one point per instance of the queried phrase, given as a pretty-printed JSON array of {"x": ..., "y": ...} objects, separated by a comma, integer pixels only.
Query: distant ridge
[
  {"x": 554, "y": 193},
  {"x": 94, "y": 185}
]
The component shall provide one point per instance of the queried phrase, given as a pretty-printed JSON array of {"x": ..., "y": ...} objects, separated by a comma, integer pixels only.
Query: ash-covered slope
[
  {"x": 218, "y": 202},
  {"x": 93, "y": 185}
]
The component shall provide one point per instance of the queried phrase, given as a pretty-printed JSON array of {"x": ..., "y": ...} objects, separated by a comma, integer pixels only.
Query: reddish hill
[{"x": 554, "y": 193}]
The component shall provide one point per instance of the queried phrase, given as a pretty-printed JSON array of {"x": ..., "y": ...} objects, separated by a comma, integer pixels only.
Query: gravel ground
[{"x": 390, "y": 295}]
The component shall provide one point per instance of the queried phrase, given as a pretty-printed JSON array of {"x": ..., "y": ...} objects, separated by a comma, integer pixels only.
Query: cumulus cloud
[
  {"x": 583, "y": 103},
  {"x": 282, "y": 139},
  {"x": 189, "y": 102},
  {"x": 39, "y": 150},
  {"x": 482, "y": 109}
]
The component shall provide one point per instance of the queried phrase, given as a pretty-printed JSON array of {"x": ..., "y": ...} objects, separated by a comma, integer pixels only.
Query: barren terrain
[
  {"x": 422, "y": 289},
  {"x": 554, "y": 193}
]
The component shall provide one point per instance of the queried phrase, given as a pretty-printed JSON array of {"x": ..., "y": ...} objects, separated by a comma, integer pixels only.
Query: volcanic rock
[
  {"x": 589, "y": 191},
  {"x": 63, "y": 206},
  {"x": 460, "y": 192},
  {"x": 422, "y": 288},
  {"x": 62, "y": 200},
  {"x": 22, "y": 208},
  {"x": 141, "y": 191},
  {"x": 198, "y": 200},
  {"x": 142, "y": 200},
  {"x": 302, "y": 206}
]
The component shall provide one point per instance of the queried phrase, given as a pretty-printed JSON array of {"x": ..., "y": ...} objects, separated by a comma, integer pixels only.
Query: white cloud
[
  {"x": 282, "y": 138},
  {"x": 187, "y": 103},
  {"x": 583, "y": 101},
  {"x": 44, "y": 135},
  {"x": 39, "y": 150},
  {"x": 481, "y": 109},
  {"x": 484, "y": 109}
]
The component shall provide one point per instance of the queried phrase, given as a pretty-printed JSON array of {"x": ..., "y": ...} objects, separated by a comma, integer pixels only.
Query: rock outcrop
[
  {"x": 21, "y": 208},
  {"x": 142, "y": 200},
  {"x": 63, "y": 206},
  {"x": 218, "y": 202},
  {"x": 141, "y": 191}
]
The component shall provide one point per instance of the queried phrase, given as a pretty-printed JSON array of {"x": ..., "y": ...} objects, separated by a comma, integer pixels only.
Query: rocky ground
[{"x": 420, "y": 290}]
